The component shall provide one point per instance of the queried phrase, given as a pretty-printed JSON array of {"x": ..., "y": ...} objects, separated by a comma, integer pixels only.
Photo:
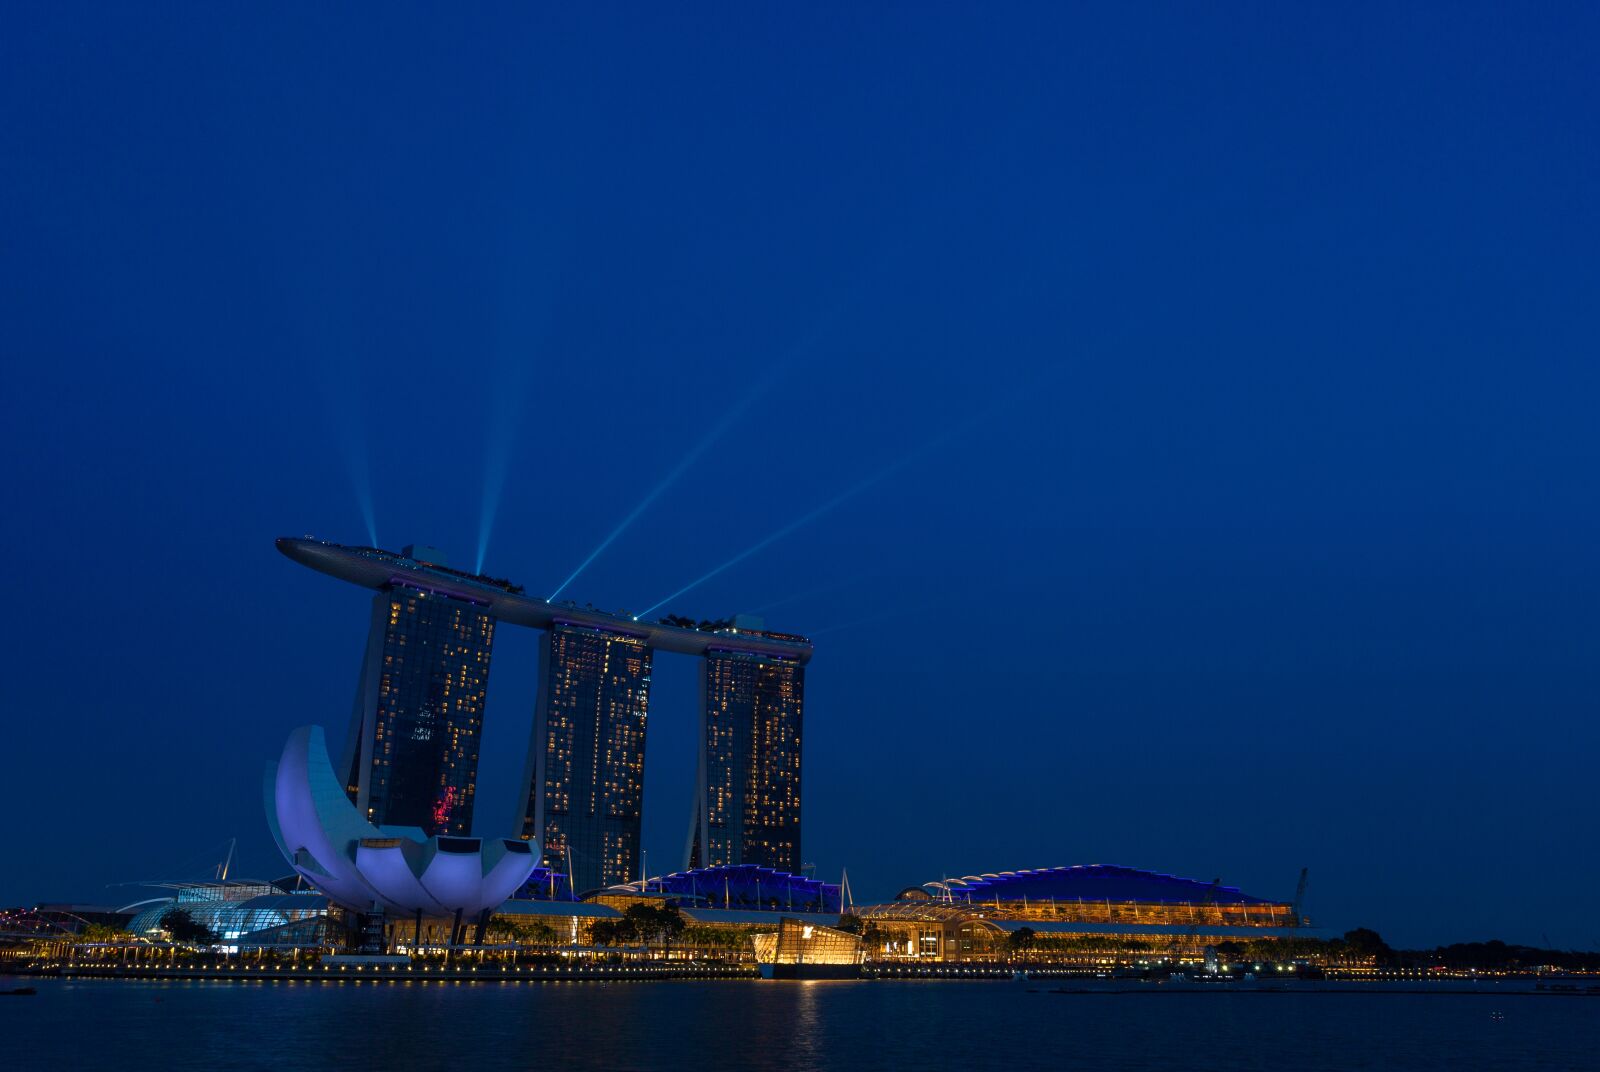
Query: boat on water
[
  {"x": 1206, "y": 978},
  {"x": 1588, "y": 990},
  {"x": 19, "y": 992}
]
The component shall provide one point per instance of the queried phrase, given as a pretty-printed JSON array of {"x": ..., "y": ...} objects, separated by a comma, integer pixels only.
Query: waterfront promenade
[
  {"x": 386, "y": 973},
  {"x": 1035, "y": 979}
]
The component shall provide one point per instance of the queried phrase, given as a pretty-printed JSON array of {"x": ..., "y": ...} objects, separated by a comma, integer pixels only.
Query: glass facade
[
  {"x": 797, "y": 942},
  {"x": 419, "y": 711},
  {"x": 1092, "y": 913},
  {"x": 747, "y": 806},
  {"x": 585, "y": 789},
  {"x": 233, "y": 912}
]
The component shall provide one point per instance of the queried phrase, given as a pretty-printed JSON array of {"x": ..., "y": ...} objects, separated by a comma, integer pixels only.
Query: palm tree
[
  {"x": 183, "y": 928},
  {"x": 875, "y": 938},
  {"x": 102, "y": 934},
  {"x": 1020, "y": 940}
]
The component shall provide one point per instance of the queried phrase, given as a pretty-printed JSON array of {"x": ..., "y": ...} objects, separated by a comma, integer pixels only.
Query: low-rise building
[{"x": 1085, "y": 914}]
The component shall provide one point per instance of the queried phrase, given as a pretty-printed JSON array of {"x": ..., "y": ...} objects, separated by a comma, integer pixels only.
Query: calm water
[{"x": 868, "y": 1025}]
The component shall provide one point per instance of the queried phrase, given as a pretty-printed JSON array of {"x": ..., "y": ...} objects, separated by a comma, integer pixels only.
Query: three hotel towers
[{"x": 411, "y": 755}]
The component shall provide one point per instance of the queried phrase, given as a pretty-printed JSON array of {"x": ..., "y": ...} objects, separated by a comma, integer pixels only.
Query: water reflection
[{"x": 705, "y": 1026}]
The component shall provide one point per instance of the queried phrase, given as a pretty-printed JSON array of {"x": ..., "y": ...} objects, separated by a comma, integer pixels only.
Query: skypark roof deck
[{"x": 375, "y": 568}]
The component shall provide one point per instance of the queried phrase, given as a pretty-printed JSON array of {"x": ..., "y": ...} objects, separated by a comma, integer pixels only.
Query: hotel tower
[
  {"x": 411, "y": 757},
  {"x": 412, "y": 750},
  {"x": 747, "y": 796},
  {"x": 584, "y": 786}
]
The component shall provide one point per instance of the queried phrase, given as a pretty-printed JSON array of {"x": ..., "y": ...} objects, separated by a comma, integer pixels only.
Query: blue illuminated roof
[
  {"x": 545, "y": 884},
  {"x": 742, "y": 886},
  {"x": 1087, "y": 882}
]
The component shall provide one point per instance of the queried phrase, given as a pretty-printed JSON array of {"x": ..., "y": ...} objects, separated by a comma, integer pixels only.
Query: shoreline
[{"x": 1056, "y": 983}]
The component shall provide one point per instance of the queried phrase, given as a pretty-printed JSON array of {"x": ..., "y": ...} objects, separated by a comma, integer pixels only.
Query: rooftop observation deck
[{"x": 372, "y": 567}]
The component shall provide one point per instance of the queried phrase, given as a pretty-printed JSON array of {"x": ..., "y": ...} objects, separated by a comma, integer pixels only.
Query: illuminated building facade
[
  {"x": 802, "y": 950},
  {"x": 413, "y": 748},
  {"x": 747, "y": 799},
  {"x": 243, "y": 915},
  {"x": 1085, "y": 914},
  {"x": 412, "y": 753},
  {"x": 584, "y": 787}
]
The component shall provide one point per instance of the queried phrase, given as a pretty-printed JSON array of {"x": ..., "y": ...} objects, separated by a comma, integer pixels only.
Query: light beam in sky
[
  {"x": 838, "y": 500},
  {"x": 795, "y": 597},
  {"x": 778, "y": 368},
  {"x": 502, "y": 428},
  {"x": 706, "y": 442},
  {"x": 898, "y": 614},
  {"x": 337, "y": 379},
  {"x": 364, "y": 495}
]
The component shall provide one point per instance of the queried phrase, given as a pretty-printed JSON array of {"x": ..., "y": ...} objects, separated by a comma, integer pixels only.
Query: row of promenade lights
[{"x": 259, "y": 967}]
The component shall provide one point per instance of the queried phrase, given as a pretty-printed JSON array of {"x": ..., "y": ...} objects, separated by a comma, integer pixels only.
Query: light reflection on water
[{"x": 775, "y": 1025}]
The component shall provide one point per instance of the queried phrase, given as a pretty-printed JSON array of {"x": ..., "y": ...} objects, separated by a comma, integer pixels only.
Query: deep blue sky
[{"x": 1245, "y": 359}]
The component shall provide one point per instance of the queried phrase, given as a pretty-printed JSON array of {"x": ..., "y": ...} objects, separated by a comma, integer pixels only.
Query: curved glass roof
[
  {"x": 1088, "y": 882},
  {"x": 234, "y": 919}
]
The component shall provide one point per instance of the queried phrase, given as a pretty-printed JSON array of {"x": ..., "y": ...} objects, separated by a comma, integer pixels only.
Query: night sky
[{"x": 1200, "y": 404}]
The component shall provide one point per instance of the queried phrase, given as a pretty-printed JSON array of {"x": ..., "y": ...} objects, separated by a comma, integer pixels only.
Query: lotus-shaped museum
[{"x": 364, "y": 868}]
